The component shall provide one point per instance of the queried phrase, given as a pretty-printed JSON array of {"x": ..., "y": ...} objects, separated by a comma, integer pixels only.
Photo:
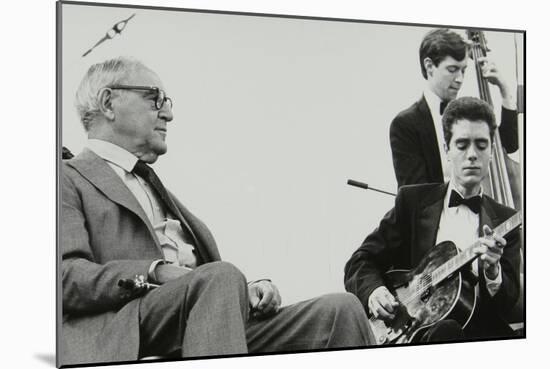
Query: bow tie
[
  {"x": 473, "y": 203},
  {"x": 442, "y": 106}
]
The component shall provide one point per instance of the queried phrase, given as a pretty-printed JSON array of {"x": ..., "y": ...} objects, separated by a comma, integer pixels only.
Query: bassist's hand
[
  {"x": 382, "y": 304},
  {"x": 492, "y": 73}
]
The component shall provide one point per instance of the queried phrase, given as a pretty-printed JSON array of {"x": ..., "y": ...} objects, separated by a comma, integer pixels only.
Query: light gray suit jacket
[{"x": 106, "y": 236}]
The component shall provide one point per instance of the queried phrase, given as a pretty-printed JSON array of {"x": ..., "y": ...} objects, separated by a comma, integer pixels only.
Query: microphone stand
[{"x": 365, "y": 186}]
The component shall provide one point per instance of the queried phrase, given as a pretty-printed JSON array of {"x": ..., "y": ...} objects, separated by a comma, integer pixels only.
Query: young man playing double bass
[
  {"x": 427, "y": 214},
  {"x": 416, "y": 134}
]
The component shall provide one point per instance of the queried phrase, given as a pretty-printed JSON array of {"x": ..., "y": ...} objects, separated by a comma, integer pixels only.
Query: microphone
[{"x": 365, "y": 186}]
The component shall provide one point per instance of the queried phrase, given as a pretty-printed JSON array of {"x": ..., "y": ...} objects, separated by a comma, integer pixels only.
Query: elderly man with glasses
[{"x": 141, "y": 276}]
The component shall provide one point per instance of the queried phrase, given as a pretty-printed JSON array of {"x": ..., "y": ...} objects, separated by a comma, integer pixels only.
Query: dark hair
[
  {"x": 469, "y": 108},
  {"x": 440, "y": 43}
]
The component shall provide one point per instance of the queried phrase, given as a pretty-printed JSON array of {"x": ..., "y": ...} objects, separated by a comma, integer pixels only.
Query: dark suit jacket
[
  {"x": 106, "y": 236},
  {"x": 415, "y": 152},
  {"x": 409, "y": 230}
]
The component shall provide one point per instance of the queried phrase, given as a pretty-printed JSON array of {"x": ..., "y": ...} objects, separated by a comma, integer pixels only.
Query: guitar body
[{"x": 453, "y": 298}]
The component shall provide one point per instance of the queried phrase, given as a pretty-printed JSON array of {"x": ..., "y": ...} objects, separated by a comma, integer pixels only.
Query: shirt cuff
[
  {"x": 493, "y": 285},
  {"x": 509, "y": 104}
]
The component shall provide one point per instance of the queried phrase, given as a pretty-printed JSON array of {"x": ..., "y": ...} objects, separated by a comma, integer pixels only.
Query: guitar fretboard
[{"x": 466, "y": 256}]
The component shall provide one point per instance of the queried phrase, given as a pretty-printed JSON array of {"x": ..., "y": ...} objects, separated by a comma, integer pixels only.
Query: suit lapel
[
  {"x": 487, "y": 216},
  {"x": 427, "y": 223},
  {"x": 98, "y": 172},
  {"x": 428, "y": 138}
]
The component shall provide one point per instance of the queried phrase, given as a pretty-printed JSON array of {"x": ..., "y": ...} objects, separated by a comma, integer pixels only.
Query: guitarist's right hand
[{"x": 382, "y": 304}]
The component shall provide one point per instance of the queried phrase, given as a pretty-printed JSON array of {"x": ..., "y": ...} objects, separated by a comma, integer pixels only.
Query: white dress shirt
[
  {"x": 461, "y": 225},
  {"x": 167, "y": 228},
  {"x": 434, "y": 103}
]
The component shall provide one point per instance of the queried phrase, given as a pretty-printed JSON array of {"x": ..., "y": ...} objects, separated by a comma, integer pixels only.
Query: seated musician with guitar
[{"x": 451, "y": 292}]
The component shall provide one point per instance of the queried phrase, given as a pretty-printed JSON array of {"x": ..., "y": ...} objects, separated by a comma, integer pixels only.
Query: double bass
[{"x": 504, "y": 182}]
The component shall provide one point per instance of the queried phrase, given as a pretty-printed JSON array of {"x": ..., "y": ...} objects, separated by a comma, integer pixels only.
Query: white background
[{"x": 28, "y": 34}]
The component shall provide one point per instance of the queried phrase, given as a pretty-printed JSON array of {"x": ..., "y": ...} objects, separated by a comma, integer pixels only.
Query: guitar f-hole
[{"x": 426, "y": 294}]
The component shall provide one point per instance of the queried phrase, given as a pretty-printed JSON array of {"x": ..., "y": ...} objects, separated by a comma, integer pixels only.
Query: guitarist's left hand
[{"x": 490, "y": 251}]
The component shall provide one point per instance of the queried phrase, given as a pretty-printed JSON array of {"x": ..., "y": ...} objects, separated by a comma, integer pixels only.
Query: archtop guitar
[{"x": 435, "y": 290}]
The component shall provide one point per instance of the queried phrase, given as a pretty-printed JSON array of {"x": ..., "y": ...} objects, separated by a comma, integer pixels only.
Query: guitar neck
[{"x": 467, "y": 255}]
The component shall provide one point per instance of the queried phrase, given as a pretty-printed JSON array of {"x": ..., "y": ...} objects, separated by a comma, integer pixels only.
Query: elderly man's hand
[{"x": 264, "y": 298}]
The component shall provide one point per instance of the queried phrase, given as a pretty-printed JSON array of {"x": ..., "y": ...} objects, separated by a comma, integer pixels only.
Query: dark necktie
[
  {"x": 473, "y": 203},
  {"x": 442, "y": 107},
  {"x": 149, "y": 175}
]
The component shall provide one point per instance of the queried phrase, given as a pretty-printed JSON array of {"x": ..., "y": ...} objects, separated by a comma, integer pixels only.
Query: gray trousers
[{"x": 206, "y": 313}]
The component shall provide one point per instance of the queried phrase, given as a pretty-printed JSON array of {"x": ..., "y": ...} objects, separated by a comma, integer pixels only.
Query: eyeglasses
[{"x": 160, "y": 96}]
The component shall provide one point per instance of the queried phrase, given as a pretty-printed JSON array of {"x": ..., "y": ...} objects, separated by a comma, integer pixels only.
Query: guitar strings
[{"x": 426, "y": 282}]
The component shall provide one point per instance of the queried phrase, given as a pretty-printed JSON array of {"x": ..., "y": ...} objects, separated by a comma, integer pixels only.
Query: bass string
[{"x": 482, "y": 83}]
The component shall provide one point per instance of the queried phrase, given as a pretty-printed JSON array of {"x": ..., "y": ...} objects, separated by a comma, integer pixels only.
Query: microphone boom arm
[{"x": 365, "y": 186}]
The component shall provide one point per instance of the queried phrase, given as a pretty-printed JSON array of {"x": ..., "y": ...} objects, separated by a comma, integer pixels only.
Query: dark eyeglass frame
[{"x": 160, "y": 98}]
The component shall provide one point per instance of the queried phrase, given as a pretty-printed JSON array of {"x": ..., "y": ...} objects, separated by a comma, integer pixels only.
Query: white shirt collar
[
  {"x": 113, "y": 153},
  {"x": 432, "y": 100}
]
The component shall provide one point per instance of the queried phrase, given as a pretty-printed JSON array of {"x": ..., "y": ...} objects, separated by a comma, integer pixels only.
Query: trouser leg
[
  {"x": 200, "y": 314},
  {"x": 329, "y": 321},
  {"x": 443, "y": 331}
]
